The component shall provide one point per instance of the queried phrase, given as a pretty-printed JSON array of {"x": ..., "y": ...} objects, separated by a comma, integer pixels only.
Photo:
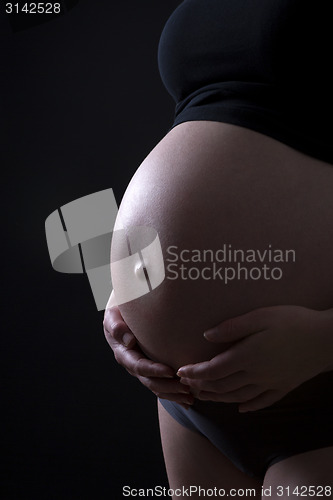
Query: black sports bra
[{"x": 262, "y": 64}]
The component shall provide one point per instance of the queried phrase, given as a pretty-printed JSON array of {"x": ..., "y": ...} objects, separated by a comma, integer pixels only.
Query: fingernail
[
  {"x": 180, "y": 372},
  {"x": 211, "y": 333},
  {"x": 127, "y": 337},
  {"x": 189, "y": 401}
]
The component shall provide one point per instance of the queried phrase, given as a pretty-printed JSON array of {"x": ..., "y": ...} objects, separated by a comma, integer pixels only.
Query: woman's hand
[
  {"x": 276, "y": 350},
  {"x": 159, "y": 378}
]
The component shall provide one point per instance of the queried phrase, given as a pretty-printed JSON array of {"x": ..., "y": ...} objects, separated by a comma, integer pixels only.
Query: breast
[{"x": 209, "y": 189}]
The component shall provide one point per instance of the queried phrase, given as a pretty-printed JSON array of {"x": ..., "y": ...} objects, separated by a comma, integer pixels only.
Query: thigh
[
  {"x": 192, "y": 460},
  {"x": 293, "y": 477}
]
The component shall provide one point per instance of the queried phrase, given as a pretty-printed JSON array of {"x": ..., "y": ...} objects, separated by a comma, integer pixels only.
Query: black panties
[{"x": 253, "y": 441}]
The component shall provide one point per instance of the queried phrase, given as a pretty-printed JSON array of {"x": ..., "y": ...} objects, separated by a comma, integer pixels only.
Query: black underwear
[{"x": 301, "y": 421}]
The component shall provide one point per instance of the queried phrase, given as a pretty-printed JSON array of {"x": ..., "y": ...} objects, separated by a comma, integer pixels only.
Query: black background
[{"x": 82, "y": 104}]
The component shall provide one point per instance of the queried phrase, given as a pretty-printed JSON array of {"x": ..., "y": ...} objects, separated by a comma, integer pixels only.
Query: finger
[
  {"x": 186, "y": 406},
  {"x": 164, "y": 386},
  {"x": 262, "y": 401},
  {"x": 128, "y": 340},
  {"x": 237, "y": 328},
  {"x": 221, "y": 386},
  {"x": 220, "y": 366},
  {"x": 115, "y": 326},
  {"x": 178, "y": 398},
  {"x": 138, "y": 365},
  {"x": 244, "y": 394}
]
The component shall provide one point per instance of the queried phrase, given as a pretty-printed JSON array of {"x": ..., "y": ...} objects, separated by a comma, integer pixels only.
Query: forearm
[{"x": 325, "y": 337}]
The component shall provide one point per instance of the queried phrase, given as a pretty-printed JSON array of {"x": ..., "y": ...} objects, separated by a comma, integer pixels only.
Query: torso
[{"x": 210, "y": 184}]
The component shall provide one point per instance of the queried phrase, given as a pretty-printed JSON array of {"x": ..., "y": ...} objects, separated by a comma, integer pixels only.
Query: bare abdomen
[{"x": 210, "y": 189}]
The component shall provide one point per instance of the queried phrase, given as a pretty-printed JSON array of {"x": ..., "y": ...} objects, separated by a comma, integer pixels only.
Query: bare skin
[
  {"x": 187, "y": 454},
  {"x": 192, "y": 460},
  {"x": 207, "y": 184},
  {"x": 255, "y": 357},
  {"x": 276, "y": 350},
  {"x": 204, "y": 185}
]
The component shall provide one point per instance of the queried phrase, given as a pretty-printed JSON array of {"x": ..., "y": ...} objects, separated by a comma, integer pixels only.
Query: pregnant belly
[{"x": 243, "y": 221}]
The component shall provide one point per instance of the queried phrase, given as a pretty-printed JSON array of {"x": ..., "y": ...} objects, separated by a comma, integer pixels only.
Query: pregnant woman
[{"x": 244, "y": 181}]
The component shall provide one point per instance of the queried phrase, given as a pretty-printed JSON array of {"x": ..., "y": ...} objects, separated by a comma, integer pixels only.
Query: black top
[{"x": 262, "y": 64}]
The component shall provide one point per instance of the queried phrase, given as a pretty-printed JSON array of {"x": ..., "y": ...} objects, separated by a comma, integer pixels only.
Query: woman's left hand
[{"x": 276, "y": 349}]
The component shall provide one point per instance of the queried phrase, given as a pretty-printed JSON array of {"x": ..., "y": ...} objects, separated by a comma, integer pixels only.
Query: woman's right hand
[{"x": 157, "y": 377}]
